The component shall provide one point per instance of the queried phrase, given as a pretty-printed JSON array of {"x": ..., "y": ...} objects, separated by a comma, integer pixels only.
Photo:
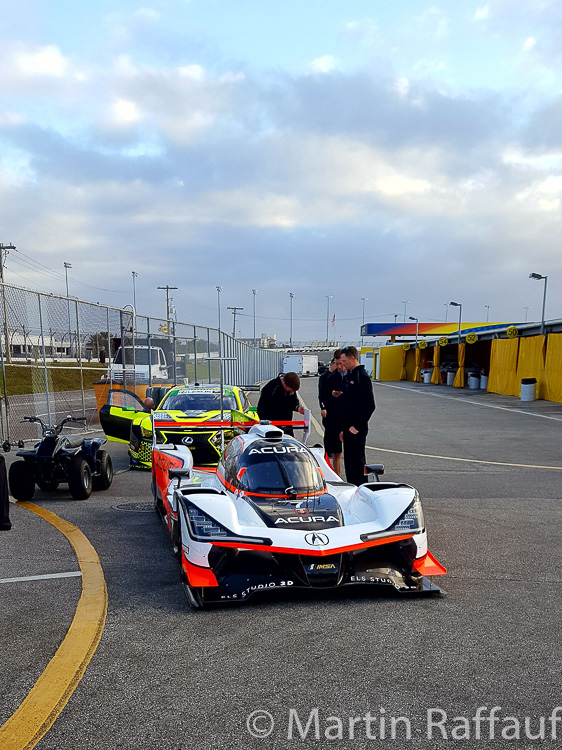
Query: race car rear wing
[{"x": 238, "y": 421}]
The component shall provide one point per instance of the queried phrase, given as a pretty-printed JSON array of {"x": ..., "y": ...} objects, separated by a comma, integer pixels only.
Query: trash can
[
  {"x": 474, "y": 382},
  {"x": 450, "y": 377},
  {"x": 528, "y": 389},
  {"x": 483, "y": 382},
  {"x": 427, "y": 376}
]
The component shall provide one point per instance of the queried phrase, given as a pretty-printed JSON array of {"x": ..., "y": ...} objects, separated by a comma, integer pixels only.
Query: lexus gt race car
[
  {"x": 124, "y": 419},
  {"x": 274, "y": 516}
]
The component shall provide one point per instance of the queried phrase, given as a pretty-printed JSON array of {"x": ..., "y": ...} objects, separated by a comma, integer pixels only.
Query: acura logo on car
[
  {"x": 316, "y": 540},
  {"x": 188, "y": 440}
]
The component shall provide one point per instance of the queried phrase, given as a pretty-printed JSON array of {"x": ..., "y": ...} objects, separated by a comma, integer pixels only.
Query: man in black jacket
[
  {"x": 278, "y": 399},
  {"x": 359, "y": 404},
  {"x": 331, "y": 386}
]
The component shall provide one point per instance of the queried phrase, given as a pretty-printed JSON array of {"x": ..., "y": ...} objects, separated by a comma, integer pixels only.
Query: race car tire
[
  {"x": 80, "y": 479},
  {"x": 47, "y": 485},
  {"x": 22, "y": 483},
  {"x": 104, "y": 480}
]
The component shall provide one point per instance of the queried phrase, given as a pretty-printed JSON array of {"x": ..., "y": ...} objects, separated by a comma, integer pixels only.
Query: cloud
[
  {"x": 482, "y": 13},
  {"x": 325, "y": 64}
]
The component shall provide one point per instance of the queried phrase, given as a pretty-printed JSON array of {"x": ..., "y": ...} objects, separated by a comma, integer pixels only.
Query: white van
[{"x": 142, "y": 370}]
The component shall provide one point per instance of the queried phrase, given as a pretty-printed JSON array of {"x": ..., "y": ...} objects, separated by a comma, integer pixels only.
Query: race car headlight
[
  {"x": 146, "y": 432},
  {"x": 215, "y": 439},
  {"x": 412, "y": 519},
  {"x": 202, "y": 525}
]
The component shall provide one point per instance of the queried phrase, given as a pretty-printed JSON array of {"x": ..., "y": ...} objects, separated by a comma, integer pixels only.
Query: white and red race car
[{"x": 274, "y": 516}]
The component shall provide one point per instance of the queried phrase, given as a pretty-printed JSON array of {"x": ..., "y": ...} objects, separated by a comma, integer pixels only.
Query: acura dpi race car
[
  {"x": 124, "y": 419},
  {"x": 274, "y": 516}
]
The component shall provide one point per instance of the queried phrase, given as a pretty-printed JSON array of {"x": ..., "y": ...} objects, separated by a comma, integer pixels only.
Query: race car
[
  {"x": 275, "y": 516},
  {"x": 125, "y": 419}
]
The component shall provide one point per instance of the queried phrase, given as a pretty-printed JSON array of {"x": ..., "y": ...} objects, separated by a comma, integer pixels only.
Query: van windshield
[{"x": 141, "y": 356}]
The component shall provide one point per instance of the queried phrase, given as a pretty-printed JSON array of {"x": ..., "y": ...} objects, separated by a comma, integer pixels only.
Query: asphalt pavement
[{"x": 351, "y": 669}]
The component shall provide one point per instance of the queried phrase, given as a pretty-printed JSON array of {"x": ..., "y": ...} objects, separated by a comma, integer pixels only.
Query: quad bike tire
[
  {"x": 80, "y": 479},
  {"x": 21, "y": 480},
  {"x": 104, "y": 480}
]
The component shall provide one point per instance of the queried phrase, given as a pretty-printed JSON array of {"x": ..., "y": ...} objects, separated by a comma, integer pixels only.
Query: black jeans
[{"x": 354, "y": 456}]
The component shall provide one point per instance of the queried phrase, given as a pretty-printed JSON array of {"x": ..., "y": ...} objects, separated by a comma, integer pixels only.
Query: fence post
[
  {"x": 80, "y": 361},
  {"x": 45, "y": 378}
]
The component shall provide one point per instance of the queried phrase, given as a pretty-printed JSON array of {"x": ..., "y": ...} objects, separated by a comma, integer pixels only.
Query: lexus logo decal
[
  {"x": 188, "y": 440},
  {"x": 316, "y": 540}
]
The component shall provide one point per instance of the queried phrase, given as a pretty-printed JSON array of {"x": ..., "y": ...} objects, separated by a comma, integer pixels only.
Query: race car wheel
[
  {"x": 47, "y": 485},
  {"x": 22, "y": 483},
  {"x": 105, "y": 478},
  {"x": 80, "y": 479}
]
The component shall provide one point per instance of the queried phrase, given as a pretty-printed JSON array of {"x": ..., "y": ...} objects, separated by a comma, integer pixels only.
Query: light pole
[
  {"x": 395, "y": 316},
  {"x": 526, "y": 308},
  {"x": 291, "y": 298},
  {"x": 417, "y": 325},
  {"x": 446, "y": 310},
  {"x": 487, "y": 313},
  {"x": 328, "y": 297},
  {"x": 254, "y": 292},
  {"x": 405, "y": 302},
  {"x": 135, "y": 274},
  {"x": 538, "y": 276},
  {"x": 364, "y": 299},
  {"x": 459, "y": 305}
]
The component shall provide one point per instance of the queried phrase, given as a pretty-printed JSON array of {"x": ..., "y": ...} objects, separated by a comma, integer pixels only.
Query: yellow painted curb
[{"x": 47, "y": 698}]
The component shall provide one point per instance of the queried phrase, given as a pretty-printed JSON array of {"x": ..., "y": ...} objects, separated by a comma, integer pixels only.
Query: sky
[{"x": 371, "y": 158}]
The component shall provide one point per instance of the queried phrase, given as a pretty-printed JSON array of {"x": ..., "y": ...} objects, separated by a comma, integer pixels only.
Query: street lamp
[
  {"x": 291, "y": 296},
  {"x": 363, "y": 320},
  {"x": 417, "y": 325},
  {"x": 328, "y": 297},
  {"x": 538, "y": 277},
  {"x": 405, "y": 302},
  {"x": 459, "y": 305},
  {"x": 446, "y": 310},
  {"x": 487, "y": 313},
  {"x": 526, "y": 308},
  {"x": 254, "y": 292}
]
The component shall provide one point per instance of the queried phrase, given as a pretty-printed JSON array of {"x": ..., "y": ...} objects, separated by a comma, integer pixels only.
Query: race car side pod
[{"x": 428, "y": 566}]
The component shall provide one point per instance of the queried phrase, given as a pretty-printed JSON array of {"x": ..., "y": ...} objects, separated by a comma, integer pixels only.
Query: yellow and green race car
[{"x": 125, "y": 419}]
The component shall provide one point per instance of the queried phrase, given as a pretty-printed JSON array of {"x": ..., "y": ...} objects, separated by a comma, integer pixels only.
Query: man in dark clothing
[
  {"x": 330, "y": 389},
  {"x": 359, "y": 404},
  {"x": 278, "y": 399}
]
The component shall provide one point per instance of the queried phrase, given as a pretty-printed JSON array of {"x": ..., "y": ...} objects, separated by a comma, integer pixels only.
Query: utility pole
[
  {"x": 234, "y": 311},
  {"x": 167, "y": 288},
  {"x": 4, "y": 250},
  {"x": 135, "y": 274}
]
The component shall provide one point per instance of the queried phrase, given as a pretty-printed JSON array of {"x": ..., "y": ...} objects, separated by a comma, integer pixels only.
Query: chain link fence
[{"x": 61, "y": 355}]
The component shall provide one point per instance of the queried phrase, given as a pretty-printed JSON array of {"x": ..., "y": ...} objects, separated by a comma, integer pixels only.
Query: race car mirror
[
  {"x": 179, "y": 473},
  {"x": 306, "y": 417}
]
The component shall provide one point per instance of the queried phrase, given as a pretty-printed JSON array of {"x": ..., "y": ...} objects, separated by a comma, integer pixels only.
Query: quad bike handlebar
[{"x": 48, "y": 430}]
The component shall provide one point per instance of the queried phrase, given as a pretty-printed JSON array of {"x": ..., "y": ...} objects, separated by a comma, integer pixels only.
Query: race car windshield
[
  {"x": 187, "y": 402},
  {"x": 285, "y": 468}
]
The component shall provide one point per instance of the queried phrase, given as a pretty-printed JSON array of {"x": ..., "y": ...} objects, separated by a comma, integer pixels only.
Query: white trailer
[{"x": 302, "y": 364}]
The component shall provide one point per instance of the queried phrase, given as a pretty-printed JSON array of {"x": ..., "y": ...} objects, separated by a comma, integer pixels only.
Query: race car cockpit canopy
[
  {"x": 197, "y": 400},
  {"x": 279, "y": 468}
]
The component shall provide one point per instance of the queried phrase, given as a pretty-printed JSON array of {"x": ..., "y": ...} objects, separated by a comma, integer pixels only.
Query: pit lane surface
[{"x": 166, "y": 677}]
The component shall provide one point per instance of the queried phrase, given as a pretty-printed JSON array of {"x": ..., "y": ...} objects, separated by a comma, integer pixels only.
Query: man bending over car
[{"x": 278, "y": 399}]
